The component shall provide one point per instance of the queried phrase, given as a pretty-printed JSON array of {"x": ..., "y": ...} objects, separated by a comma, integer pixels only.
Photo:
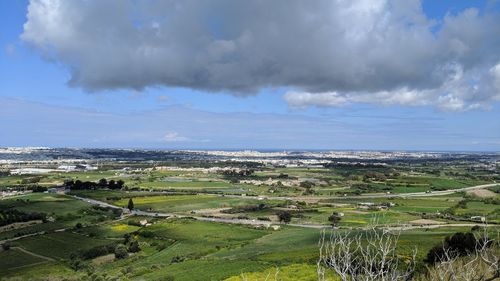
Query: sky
[{"x": 223, "y": 74}]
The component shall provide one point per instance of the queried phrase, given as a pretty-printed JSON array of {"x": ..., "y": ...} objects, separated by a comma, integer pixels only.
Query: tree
[
  {"x": 103, "y": 183},
  {"x": 285, "y": 216},
  {"x": 130, "y": 205},
  {"x": 127, "y": 237},
  {"x": 76, "y": 263},
  {"x": 38, "y": 188},
  {"x": 121, "y": 251},
  {"x": 481, "y": 263},
  {"x": 306, "y": 184},
  {"x": 119, "y": 184},
  {"x": 6, "y": 246},
  {"x": 334, "y": 219},
  {"x": 459, "y": 244},
  {"x": 134, "y": 247}
]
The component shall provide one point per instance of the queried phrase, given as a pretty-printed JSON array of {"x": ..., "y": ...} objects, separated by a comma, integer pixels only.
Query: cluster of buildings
[
  {"x": 211, "y": 170},
  {"x": 347, "y": 154},
  {"x": 9, "y": 193},
  {"x": 61, "y": 168},
  {"x": 273, "y": 182},
  {"x": 371, "y": 205}
]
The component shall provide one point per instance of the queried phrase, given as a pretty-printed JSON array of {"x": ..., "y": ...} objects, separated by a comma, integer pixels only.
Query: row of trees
[
  {"x": 13, "y": 215},
  {"x": 238, "y": 172},
  {"x": 286, "y": 217},
  {"x": 90, "y": 185},
  {"x": 235, "y": 175}
]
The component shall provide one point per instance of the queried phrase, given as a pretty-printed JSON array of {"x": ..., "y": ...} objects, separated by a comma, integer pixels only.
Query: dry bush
[{"x": 364, "y": 256}]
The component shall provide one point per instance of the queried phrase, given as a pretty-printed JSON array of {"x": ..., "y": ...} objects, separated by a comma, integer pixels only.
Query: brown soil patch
[
  {"x": 104, "y": 259},
  {"x": 425, "y": 222},
  {"x": 216, "y": 212},
  {"x": 482, "y": 193},
  {"x": 356, "y": 212},
  {"x": 210, "y": 210},
  {"x": 18, "y": 225}
]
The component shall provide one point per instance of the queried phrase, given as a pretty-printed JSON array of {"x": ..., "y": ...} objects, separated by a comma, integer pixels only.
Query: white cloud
[
  {"x": 460, "y": 91},
  {"x": 375, "y": 51},
  {"x": 174, "y": 136},
  {"x": 295, "y": 99},
  {"x": 495, "y": 73}
]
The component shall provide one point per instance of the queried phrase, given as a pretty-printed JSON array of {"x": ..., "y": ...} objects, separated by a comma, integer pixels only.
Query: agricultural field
[
  {"x": 15, "y": 259},
  {"x": 202, "y": 220},
  {"x": 63, "y": 244},
  {"x": 187, "y": 203}
]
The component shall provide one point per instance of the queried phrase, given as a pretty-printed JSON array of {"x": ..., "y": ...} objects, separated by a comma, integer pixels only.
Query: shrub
[
  {"x": 285, "y": 216},
  {"x": 121, "y": 251},
  {"x": 161, "y": 247},
  {"x": 96, "y": 252},
  {"x": 38, "y": 188},
  {"x": 177, "y": 259},
  {"x": 6, "y": 246},
  {"x": 147, "y": 234},
  {"x": 134, "y": 247},
  {"x": 334, "y": 219},
  {"x": 459, "y": 244}
]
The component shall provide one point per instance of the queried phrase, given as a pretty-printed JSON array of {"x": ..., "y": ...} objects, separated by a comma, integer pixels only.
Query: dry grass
[
  {"x": 425, "y": 222},
  {"x": 18, "y": 225},
  {"x": 482, "y": 193},
  {"x": 104, "y": 259}
]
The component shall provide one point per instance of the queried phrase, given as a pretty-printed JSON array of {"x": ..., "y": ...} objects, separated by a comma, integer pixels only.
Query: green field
[
  {"x": 45, "y": 203},
  {"x": 15, "y": 260},
  {"x": 184, "y": 185},
  {"x": 184, "y": 203},
  {"x": 190, "y": 249},
  {"x": 59, "y": 245}
]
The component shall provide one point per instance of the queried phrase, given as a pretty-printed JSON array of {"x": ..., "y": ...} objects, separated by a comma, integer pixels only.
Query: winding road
[{"x": 318, "y": 226}]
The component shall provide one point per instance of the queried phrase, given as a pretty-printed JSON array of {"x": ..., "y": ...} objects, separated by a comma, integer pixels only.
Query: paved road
[
  {"x": 400, "y": 227},
  {"x": 172, "y": 215},
  {"x": 318, "y": 226},
  {"x": 268, "y": 223}
]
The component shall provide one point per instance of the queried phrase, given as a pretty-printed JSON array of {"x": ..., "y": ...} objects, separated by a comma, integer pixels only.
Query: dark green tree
[
  {"x": 334, "y": 219},
  {"x": 121, "y": 251},
  {"x": 134, "y": 247},
  {"x": 6, "y": 246},
  {"x": 130, "y": 205},
  {"x": 103, "y": 183},
  {"x": 285, "y": 216},
  {"x": 119, "y": 184}
]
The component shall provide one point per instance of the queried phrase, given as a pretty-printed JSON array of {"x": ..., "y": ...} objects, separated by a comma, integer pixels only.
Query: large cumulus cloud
[{"x": 329, "y": 52}]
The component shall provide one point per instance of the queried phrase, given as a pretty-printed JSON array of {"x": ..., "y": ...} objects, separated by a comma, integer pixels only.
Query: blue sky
[{"x": 39, "y": 107}]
